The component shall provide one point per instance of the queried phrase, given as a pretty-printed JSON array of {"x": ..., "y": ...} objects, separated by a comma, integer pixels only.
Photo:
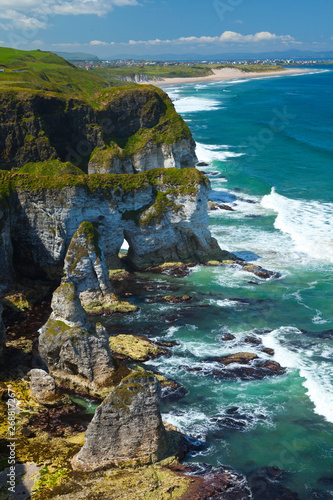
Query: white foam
[
  {"x": 210, "y": 152},
  {"x": 309, "y": 223},
  {"x": 318, "y": 375},
  {"x": 194, "y": 104}
]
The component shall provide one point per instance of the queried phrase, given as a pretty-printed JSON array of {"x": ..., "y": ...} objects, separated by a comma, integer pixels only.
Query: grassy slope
[
  {"x": 177, "y": 71},
  {"x": 45, "y": 71}
]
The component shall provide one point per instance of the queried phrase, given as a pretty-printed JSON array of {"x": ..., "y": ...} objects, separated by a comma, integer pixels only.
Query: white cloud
[
  {"x": 20, "y": 21},
  {"x": 34, "y": 15},
  {"x": 225, "y": 38},
  {"x": 98, "y": 42}
]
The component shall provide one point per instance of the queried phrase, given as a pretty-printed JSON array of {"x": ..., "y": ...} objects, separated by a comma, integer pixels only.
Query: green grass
[{"x": 44, "y": 71}]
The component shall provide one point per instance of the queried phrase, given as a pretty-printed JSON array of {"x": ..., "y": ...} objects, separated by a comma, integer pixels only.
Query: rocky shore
[{"x": 88, "y": 410}]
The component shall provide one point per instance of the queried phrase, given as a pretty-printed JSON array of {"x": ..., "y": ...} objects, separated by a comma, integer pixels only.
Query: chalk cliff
[
  {"x": 161, "y": 213},
  {"x": 119, "y": 130}
]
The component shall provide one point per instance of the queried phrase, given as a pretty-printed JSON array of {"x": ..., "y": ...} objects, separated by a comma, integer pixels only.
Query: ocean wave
[
  {"x": 194, "y": 104},
  {"x": 209, "y": 152},
  {"x": 318, "y": 375},
  {"x": 309, "y": 223}
]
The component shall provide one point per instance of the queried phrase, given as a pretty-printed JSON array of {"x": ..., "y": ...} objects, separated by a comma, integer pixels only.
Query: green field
[{"x": 45, "y": 71}]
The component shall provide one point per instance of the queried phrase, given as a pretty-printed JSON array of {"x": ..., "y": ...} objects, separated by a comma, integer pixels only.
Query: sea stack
[
  {"x": 72, "y": 347},
  {"x": 127, "y": 427}
]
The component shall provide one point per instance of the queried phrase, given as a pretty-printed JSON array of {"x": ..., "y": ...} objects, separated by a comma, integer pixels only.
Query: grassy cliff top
[
  {"x": 36, "y": 70},
  {"x": 172, "y": 180}
]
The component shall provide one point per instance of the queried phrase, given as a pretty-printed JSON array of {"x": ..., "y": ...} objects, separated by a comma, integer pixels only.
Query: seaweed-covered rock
[
  {"x": 71, "y": 346},
  {"x": 3, "y": 337},
  {"x": 126, "y": 428},
  {"x": 43, "y": 387}
]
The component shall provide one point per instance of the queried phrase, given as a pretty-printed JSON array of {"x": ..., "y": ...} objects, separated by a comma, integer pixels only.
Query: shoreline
[{"x": 221, "y": 75}]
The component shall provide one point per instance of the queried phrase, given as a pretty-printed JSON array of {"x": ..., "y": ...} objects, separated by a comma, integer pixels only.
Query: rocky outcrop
[
  {"x": 161, "y": 213},
  {"x": 36, "y": 127},
  {"x": 43, "y": 387},
  {"x": 85, "y": 266},
  {"x": 74, "y": 349},
  {"x": 126, "y": 428},
  {"x": 180, "y": 154},
  {"x": 3, "y": 337}
]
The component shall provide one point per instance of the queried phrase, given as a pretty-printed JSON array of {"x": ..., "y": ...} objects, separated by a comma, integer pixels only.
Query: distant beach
[{"x": 222, "y": 74}]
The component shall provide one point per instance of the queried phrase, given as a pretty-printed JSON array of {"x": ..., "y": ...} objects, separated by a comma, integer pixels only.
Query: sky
[{"x": 116, "y": 28}]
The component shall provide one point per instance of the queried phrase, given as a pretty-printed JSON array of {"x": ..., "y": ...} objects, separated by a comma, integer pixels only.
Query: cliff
[
  {"x": 162, "y": 214},
  {"x": 118, "y": 130}
]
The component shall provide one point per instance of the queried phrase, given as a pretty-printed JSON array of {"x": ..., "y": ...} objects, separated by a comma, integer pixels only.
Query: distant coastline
[{"x": 222, "y": 74}]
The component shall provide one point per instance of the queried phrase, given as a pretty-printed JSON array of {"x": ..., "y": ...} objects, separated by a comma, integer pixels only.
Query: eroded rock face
[
  {"x": 180, "y": 154},
  {"x": 126, "y": 428},
  {"x": 163, "y": 218},
  {"x": 85, "y": 266},
  {"x": 43, "y": 387},
  {"x": 3, "y": 337},
  {"x": 71, "y": 346}
]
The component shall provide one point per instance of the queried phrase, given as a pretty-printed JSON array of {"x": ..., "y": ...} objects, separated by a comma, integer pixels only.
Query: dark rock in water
[
  {"x": 234, "y": 422},
  {"x": 213, "y": 205},
  {"x": 253, "y": 283},
  {"x": 259, "y": 271},
  {"x": 326, "y": 480},
  {"x": 242, "y": 358},
  {"x": 326, "y": 334},
  {"x": 126, "y": 428},
  {"x": 319, "y": 495},
  {"x": 252, "y": 340},
  {"x": 172, "y": 390},
  {"x": 227, "y": 337},
  {"x": 254, "y": 368},
  {"x": 214, "y": 483},
  {"x": 247, "y": 201},
  {"x": 202, "y": 164},
  {"x": 268, "y": 350},
  {"x": 265, "y": 484},
  {"x": 252, "y": 216}
]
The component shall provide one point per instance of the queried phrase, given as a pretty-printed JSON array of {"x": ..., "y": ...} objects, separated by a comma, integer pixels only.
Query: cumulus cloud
[
  {"x": 226, "y": 38},
  {"x": 35, "y": 15}
]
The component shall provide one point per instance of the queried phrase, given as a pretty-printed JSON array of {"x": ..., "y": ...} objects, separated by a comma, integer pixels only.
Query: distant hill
[
  {"x": 77, "y": 56},
  {"x": 36, "y": 70}
]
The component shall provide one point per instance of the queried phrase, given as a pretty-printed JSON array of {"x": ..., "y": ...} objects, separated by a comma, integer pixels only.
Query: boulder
[
  {"x": 71, "y": 346},
  {"x": 127, "y": 427},
  {"x": 43, "y": 387},
  {"x": 241, "y": 358}
]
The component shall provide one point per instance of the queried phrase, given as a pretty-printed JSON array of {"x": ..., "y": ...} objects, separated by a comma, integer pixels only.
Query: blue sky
[{"x": 109, "y": 28}]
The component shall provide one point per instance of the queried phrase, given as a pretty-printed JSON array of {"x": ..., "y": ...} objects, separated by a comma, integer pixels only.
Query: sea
[{"x": 266, "y": 144}]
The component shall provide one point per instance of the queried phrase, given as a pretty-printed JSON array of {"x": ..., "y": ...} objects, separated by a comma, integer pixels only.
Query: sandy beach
[{"x": 222, "y": 74}]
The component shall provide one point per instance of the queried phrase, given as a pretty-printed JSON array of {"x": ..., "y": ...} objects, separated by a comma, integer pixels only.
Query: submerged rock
[
  {"x": 43, "y": 387},
  {"x": 71, "y": 346},
  {"x": 127, "y": 427}
]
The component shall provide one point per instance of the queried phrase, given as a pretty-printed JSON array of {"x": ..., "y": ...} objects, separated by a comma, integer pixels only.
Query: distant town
[{"x": 90, "y": 64}]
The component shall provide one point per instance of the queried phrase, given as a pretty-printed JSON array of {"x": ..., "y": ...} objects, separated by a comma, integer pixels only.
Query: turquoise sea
[{"x": 268, "y": 147}]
